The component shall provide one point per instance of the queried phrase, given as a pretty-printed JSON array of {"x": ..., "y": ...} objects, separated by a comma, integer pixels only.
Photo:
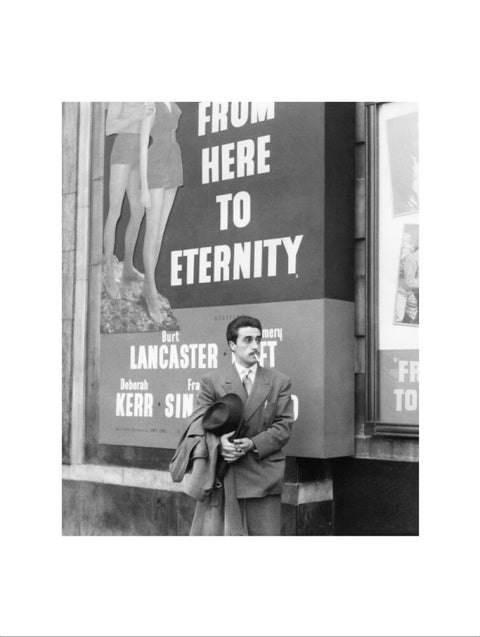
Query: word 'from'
[{"x": 214, "y": 117}]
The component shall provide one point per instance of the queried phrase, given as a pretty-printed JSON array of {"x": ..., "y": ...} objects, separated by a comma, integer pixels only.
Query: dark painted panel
[
  {"x": 307, "y": 469},
  {"x": 375, "y": 497},
  {"x": 339, "y": 200},
  {"x": 315, "y": 518},
  {"x": 313, "y": 469}
]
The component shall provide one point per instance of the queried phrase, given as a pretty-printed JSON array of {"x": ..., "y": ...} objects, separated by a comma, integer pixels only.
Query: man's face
[{"x": 247, "y": 345}]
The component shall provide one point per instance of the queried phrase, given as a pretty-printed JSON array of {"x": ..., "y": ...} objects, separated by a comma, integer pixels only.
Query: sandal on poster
[
  {"x": 164, "y": 301},
  {"x": 111, "y": 287},
  {"x": 132, "y": 276},
  {"x": 154, "y": 309}
]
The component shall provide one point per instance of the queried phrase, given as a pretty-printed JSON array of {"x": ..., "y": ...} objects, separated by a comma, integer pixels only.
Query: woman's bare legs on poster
[
  {"x": 167, "y": 204},
  {"x": 136, "y": 215},
  {"x": 119, "y": 175},
  {"x": 157, "y": 217}
]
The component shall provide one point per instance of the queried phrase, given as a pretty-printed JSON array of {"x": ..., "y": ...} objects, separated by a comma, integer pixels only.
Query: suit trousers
[{"x": 262, "y": 516}]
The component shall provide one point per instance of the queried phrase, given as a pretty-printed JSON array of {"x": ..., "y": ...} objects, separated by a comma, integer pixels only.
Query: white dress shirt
[{"x": 242, "y": 371}]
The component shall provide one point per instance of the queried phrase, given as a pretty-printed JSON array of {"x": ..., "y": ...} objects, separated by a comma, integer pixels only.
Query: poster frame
[{"x": 373, "y": 425}]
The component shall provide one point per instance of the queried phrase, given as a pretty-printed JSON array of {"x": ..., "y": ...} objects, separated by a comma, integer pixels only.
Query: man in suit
[{"x": 256, "y": 460}]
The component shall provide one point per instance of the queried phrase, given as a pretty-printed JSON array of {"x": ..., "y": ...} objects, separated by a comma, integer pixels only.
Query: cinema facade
[{"x": 303, "y": 214}]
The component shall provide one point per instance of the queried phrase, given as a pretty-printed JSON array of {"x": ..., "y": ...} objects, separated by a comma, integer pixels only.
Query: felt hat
[{"x": 224, "y": 416}]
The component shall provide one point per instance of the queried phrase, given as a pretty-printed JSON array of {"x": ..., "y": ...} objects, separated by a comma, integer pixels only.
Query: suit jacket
[{"x": 268, "y": 414}]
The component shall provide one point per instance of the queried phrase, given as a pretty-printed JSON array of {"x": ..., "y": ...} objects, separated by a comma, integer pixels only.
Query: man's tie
[{"x": 247, "y": 382}]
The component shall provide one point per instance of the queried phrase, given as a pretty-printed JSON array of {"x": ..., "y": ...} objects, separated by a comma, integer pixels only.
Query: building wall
[{"x": 92, "y": 508}]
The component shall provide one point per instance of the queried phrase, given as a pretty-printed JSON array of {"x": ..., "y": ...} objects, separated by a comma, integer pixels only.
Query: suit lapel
[
  {"x": 233, "y": 385},
  {"x": 260, "y": 390}
]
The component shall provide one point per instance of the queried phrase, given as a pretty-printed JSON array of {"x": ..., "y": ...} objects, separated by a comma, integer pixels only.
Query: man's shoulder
[
  {"x": 276, "y": 375},
  {"x": 214, "y": 376}
]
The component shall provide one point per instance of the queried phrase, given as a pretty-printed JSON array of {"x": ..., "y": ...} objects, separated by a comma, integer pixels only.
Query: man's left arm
[
  {"x": 206, "y": 397},
  {"x": 278, "y": 433}
]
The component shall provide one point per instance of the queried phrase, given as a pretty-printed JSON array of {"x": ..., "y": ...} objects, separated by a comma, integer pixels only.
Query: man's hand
[
  {"x": 228, "y": 450},
  {"x": 244, "y": 445}
]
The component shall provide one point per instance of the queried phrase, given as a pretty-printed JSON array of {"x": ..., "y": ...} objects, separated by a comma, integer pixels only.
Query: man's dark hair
[{"x": 237, "y": 323}]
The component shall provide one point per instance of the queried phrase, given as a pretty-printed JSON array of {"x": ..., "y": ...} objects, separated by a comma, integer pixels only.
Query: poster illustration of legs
[
  {"x": 145, "y": 171},
  {"x": 407, "y": 304}
]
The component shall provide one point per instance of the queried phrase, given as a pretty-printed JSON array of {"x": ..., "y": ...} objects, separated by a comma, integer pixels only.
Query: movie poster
[
  {"x": 211, "y": 210},
  {"x": 398, "y": 273}
]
